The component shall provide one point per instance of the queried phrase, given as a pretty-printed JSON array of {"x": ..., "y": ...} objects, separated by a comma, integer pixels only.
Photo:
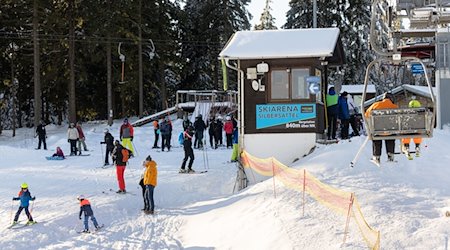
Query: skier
[
  {"x": 199, "y": 126},
  {"x": 218, "y": 131},
  {"x": 81, "y": 138},
  {"x": 24, "y": 196},
  {"x": 109, "y": 141},
  {"x": 85, "y": 207},
  {"x": 332, "y": 112},
  {"x": 186, "y": 123},
  {"x": 343, "y": 114},
  {"x": 120, "y": 158},
  {"x": 166, "y": 133},
  {"x": 228, "y": 127},
  {"x": 211, "y": 130},
  {"x": 72, "y": 138},
  {"x": 59, "y": 153},
  {"x": 188, "y": 152},
  {"x": 150, "y": 180},
  {"x": 126, "y": 135},
  {"x": 41, "y": 134},
  {"x": 405, "y": 141},
  {"x": 156, "y": 131},
  {"x": 353, "y": 111},
  {"x": 386, "y": 103}
]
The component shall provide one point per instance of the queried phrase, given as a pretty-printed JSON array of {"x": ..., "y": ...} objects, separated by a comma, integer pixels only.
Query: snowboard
[
  {"x": 54, "y": 158},
  {"x": 78, "y": 155},
  {"x": 114, "y": 191},
  {"x": 199, "y": 172}
]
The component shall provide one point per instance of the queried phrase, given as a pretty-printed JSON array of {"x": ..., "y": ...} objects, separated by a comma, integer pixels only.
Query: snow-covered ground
[{"x": 406, "y": 200}]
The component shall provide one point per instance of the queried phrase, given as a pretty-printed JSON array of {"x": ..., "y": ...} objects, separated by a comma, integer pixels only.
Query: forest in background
[{"x": 168, "y": 46}]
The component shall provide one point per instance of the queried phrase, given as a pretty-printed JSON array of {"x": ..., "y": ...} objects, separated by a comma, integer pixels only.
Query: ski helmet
[
  {"x": 106, "y": 130},
  {"x": 24, "y": 185},
  {"x": 81, "y": 197}
]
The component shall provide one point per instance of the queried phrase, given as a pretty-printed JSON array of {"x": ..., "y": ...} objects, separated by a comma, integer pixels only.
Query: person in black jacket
[
  {"x": 199, "y": 126},
  {"x": 109, "y": 141},
  {"x": 41, "y": 134},
  {"x": 212, "y": 137},
  {"x": 85, "y": 207},
  {"x": 188, "y": 152},
  {"x": 218, "y": 130}
]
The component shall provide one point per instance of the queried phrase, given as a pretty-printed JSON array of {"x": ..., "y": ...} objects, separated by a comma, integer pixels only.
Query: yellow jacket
[
  {"x": 383, "y": 104},
  {"x": 151, "y": 173}
]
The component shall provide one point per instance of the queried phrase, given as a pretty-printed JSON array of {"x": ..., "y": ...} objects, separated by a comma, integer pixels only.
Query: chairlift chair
[{"x": 402, "y": 122}]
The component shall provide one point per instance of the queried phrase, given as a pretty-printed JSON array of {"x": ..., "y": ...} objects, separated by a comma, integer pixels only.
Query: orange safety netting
[{"x": 301, "y": 180}]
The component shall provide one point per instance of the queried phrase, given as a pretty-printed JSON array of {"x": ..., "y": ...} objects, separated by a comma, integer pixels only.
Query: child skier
[
  {"x": 150, "y": 180},
  {"x": 85, "y": 206},
  {"x": 59, "y": 153},
  {"x": 24, "y": 196}
]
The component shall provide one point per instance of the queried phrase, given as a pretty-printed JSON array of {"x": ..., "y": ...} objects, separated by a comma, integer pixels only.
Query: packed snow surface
[{"x": 406, "y": 200}]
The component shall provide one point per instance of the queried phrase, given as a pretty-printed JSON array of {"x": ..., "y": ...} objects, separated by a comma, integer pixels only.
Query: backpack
[{"x": 125, "y": 155}]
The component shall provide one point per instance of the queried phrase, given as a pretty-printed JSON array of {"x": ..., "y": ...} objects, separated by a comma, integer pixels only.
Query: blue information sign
[{"x": 416, "y": 68}]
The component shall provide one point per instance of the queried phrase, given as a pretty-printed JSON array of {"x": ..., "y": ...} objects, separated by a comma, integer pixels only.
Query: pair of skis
[
  {"x": 91, "y": 232},
  {"x": 21, "y": 225}
]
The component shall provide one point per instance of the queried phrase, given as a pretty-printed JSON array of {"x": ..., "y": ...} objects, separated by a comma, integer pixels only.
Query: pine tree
[{"x": 267, "y": 21}]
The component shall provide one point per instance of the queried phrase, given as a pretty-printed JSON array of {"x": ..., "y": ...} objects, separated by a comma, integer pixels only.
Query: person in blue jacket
[
  {"x": 24, "y": 196},
  {"x": 85, "y": 207},
  {"x": 343, "y": 114}
]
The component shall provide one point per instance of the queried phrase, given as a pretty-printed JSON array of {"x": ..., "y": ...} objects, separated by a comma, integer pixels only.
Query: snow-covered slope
[{"x": 406, "y": 200}]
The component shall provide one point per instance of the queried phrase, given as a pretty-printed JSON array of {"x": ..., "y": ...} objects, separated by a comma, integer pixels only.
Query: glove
[
  {"x": 78, "y": 139},
  {"x": 34, "y": 198},
  {"x": 120, "y": 138},
  {"x": 132, "y": 138},
  {"x": 79, "y": 217},
  {"x": 68, "y": 140},
  {"x": 15, "y": 199},
  {"x": 102, "y": 142}
]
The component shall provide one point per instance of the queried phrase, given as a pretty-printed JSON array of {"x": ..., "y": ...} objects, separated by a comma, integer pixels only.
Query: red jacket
[
  {"x": 228, "y": 127},
  {"x": 80, "y": 132}
]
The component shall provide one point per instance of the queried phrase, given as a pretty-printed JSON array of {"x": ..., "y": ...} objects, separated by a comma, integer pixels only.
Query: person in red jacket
[
  {"x": 81, "y": 138},
  {"x": 228, "y": 127},
  {"x": 386, "y": 103},
  {"x": 85, "y": 207},
  {"x": 126, "y": 135}
]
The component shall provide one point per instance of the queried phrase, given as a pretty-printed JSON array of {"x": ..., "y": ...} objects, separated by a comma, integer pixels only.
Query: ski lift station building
[{"x": 282, "y": 77}]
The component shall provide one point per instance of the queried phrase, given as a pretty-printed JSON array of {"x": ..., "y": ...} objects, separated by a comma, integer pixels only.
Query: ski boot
[
  {"x": 30, "y": 222},
  {"x": 417, "y": 151},
  {"x": 191, "y": 171},
  {"x": 182, "y": 171},
  {"x": 390, "y": 157},
  {"x": 376, "y": 160},
  {"x": 86, "y": 231}
]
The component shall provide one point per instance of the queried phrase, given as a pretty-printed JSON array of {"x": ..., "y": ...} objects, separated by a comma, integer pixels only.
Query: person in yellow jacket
[
  {"x": 150, "y": 181},
  {"x": 386, "y": 103},
  {"x": 405, "y": 141}
]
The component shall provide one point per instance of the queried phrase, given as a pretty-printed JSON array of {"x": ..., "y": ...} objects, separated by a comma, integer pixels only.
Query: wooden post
[
  {"x": 304, "y": 189},
  {"x": 348, "y": 217}
]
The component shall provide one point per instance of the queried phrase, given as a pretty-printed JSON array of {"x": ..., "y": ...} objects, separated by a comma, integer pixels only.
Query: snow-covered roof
[
  {"x": 289, "y": 43},
  {"x": 358, "y": 89},
  {"x": 418, "y": 90}
]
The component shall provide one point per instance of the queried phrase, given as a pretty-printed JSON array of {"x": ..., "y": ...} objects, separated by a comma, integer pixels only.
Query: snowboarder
[
  {"x": 188, "y": 152},
  {"x": 120, "y": 158},
  {"x": 156, "y": 131},
  {"x": 81, "y": 138},
  {"x": 166, "y": 133},
  {"x": 343, "y": 114},
  {"x": 386, "y": 103},
  {"x": 109, "y": 141},
  {"x": 199, "y": 126},
  {"x": 150, "y": 181},
  {"x": 332, "y": 112},
  {"x": 59, "y": 153},
  {"x": 72, "y": 138},
  {"x": 228, "y": 127},
  {"x": 85, "y": 207},
  {"x": 126, "y": 135},
  {"x": 24, "y": 196},
  {"x": 405, "y": 141},
  {"x": 41, "y": 134}
]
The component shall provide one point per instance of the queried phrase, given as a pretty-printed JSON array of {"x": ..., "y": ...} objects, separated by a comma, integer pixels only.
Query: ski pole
[
  {"x": 206, "y": 153},
  {"x": 135, "y": 149},
  {"x": 11, "y": 213},
  {"x": 353, "y": 162}
]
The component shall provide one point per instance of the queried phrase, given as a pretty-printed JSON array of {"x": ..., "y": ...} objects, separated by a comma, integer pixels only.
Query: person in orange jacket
[
  {"x": 386, "y": 103},
  {"x": 85, "y": 207},
  {"x": 150, "y": 181}
]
